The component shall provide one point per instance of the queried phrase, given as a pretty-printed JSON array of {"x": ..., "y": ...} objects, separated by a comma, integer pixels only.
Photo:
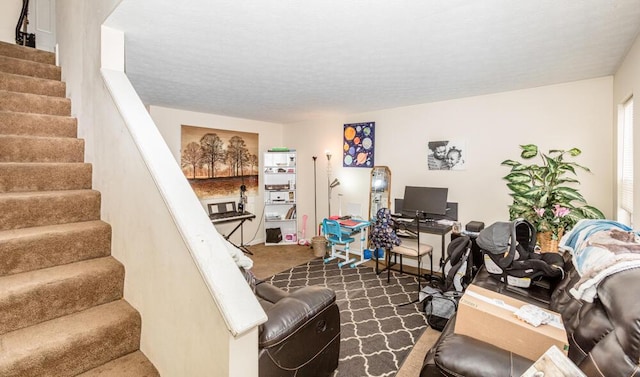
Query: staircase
[{"x": 61, "y": 306}]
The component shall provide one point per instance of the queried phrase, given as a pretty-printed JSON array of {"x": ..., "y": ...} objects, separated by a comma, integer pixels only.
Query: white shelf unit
[{"x": 279, "y": 177}]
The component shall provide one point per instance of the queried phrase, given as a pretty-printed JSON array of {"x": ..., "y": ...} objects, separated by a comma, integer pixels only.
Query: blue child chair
[{"x": 336, "y": 236}]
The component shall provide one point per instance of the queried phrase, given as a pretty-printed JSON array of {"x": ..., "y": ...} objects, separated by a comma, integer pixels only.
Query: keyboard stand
[
  {"x": 236, "y": 216},
  {"x": 242, "y": 246}
]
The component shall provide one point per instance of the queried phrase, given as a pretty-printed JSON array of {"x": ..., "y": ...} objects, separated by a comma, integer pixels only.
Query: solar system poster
[{"x": 358, "y": 146}]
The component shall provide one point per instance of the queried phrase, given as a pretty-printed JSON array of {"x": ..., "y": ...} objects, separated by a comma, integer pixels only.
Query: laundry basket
[{"x": 319, "y": 245}]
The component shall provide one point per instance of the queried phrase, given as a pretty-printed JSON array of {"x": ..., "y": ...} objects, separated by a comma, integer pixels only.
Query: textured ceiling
[{"x": 285, "y": 61}]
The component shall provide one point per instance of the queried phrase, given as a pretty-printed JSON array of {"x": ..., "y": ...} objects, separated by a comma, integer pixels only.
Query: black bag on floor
[
  {"x": 274, "y": 235},
  {"x": 439, "y": 307}
]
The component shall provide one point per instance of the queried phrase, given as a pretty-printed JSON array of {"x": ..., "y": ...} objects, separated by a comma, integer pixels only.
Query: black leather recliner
[
  {"x": 604, "y": 336},
  {"x": 302, "y": 334}
]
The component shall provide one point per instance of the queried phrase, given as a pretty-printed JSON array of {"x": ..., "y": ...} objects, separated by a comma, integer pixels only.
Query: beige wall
[
  {"x": 627, "y": 83},
  {"x": 576, "y": 114},
  {"x": 9, "y": 13},
  {"x": 183, "y": 331},
  {"x": 169, "y": 122}
]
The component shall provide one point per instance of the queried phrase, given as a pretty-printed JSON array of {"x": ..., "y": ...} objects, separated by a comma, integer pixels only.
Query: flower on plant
[
  {"x": 551, "y": 219},
  {"x": 559, "y": 211}
]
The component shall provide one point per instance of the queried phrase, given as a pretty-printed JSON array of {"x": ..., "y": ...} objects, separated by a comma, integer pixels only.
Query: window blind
[{"x": 627, "y": 157}]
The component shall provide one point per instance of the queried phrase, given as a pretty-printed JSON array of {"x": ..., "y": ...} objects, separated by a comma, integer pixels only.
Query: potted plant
[{"x": 542, "y": 195}]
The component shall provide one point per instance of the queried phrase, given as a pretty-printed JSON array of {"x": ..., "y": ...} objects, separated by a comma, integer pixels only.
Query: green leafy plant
[{"x": 541, "y": 192}]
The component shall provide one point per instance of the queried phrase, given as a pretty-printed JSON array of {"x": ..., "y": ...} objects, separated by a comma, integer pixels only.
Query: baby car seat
[
  {"x": 457, "y": 269},
  {"x": 509, "y": 254}
]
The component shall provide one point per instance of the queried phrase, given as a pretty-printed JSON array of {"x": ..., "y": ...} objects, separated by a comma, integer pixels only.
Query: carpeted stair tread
[
  {"x": 37, "y": 296},
  {"x": 72, "y": 344},
  {"x": 134, "y": 364},
  {"x": 40, "y": 149},
  {"x": 34, "y": 103},
  {"x": 34, "y": 85},
  {"x": 61, "y": 307},
  {"x": 27, "y": 53},
  {"x": 28, "y": 209},
  {"x": 29, "y": 68},
  {"x": 17, "y": 123},
  {"x": 34, "y": 248},
  {"x": 44, "y": 176}
]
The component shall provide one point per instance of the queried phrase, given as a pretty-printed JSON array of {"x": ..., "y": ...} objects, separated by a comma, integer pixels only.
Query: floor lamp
[{"x": 315, "y": 199}]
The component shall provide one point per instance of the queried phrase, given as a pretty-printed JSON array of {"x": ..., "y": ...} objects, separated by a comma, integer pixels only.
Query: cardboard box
[{"x": 488, "y": 316}]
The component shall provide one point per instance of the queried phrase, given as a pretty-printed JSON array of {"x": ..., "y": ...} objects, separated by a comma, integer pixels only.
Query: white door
[{"x": 42, "y": 22}]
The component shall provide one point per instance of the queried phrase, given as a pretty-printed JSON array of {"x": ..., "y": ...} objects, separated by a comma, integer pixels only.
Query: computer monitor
[
  {"x": 424, "y": 201},
  {"x": 452, "y": 211}
]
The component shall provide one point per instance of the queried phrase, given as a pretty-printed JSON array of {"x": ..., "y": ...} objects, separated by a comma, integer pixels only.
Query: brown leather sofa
[
  {"x": 302, "y": 334},
  {"x": 604, "y": 336}
]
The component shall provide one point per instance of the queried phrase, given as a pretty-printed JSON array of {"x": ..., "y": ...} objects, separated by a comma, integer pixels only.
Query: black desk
[{"x": 226, "y": 217}]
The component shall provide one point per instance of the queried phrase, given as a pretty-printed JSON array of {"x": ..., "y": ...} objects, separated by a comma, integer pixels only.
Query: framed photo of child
[{"x": 446, "y": 155}]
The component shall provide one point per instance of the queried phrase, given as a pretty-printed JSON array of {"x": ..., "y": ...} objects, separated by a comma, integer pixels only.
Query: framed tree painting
[
  {"x": 358, "y": 145},
  {"x": 217, "y": 162}
]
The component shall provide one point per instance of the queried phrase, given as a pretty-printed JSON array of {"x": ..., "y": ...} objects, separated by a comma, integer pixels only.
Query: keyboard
[{"x": 230, "y": 216}]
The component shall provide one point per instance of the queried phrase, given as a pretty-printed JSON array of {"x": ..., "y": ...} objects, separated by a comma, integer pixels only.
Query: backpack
[
  {"x": 382, "y": 234},
  {"x": 440, "y": 304},
  {"x": 509, "y": 254}
]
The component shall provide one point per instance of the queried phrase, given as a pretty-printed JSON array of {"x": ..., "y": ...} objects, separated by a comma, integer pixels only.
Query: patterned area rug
[{"x": 376, "y": 333}]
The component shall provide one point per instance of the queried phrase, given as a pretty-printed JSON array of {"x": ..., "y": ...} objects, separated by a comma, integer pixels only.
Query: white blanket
[
  {"x": 600, "y": 248},
  {"x": 238, "y": 256}
]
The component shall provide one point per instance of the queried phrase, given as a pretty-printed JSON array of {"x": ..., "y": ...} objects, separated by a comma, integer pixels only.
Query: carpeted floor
[
  {"x": 269, "y": 260},
  {"x": 376, "y": 332}
]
